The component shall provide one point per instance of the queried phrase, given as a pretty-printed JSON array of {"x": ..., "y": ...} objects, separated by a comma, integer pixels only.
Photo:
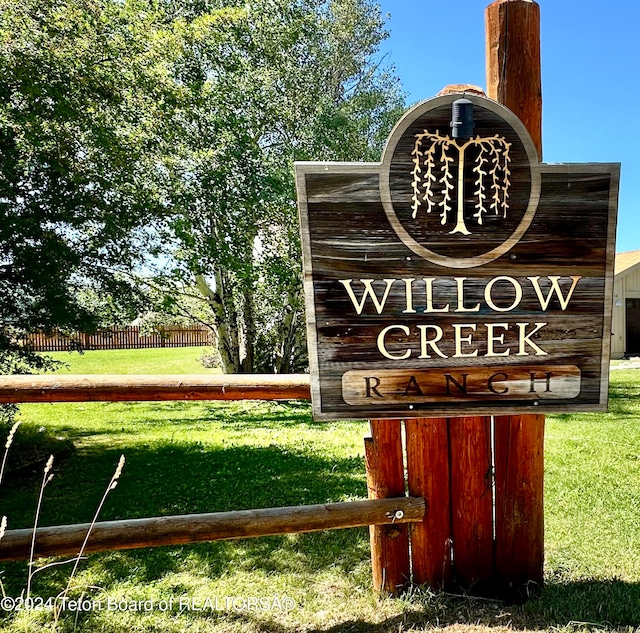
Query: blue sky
[{"x": 590, "y": 77}]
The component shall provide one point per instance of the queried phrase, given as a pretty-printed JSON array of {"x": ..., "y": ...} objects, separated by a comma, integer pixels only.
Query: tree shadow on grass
[
  {"x": 254, "y": 413},
  {"x": 189, "y": 477},
  {"x": 597, "y": 602},
  {"x": 623, "y": 397},
  {"x": 244, "y": 413},
  {"x": 597, "y": 605},
  {"x": 584, "y": 605},
  {"x": 241, "y": 416}
]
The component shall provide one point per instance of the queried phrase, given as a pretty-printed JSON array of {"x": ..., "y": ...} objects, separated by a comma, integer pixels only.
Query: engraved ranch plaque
[{"x": 458, "y": 275}]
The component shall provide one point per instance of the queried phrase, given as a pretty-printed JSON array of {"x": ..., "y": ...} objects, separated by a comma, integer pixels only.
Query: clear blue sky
[{"x": 590, "y": 77}]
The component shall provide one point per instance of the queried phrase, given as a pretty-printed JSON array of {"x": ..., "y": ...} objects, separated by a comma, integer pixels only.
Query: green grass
[
  {"x": 185, "y": 457},
  {"x": 175, "y": 360}
]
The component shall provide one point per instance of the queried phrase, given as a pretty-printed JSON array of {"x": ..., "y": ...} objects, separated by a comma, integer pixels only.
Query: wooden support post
[
  {"x": 512, "y": 30},
  {"x": 514, "y": 79},
  {"x": 519, "y": 468},
  {"x": 428, "y": 472},
  {"x": 471, "y": 502},
  {"x": 385, "y": 479}
]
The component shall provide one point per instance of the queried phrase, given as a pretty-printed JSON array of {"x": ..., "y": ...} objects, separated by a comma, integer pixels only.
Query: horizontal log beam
[
  {"x": 66, "y": 540},
  {"x": 126, "y": 388}
]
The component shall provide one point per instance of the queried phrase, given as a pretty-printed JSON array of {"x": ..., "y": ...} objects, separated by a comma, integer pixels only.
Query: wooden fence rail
[
  {"x": 127, "y": 388},
  {"x": 130, "y": 337},
  {"x": 66, "y": 540}
]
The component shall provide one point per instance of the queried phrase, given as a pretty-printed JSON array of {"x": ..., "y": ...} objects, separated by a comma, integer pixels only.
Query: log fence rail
[{"x": 386, "y": 515}]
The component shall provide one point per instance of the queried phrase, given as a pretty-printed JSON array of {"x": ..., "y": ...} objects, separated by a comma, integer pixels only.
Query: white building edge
[{"x": 625, "y": 326}]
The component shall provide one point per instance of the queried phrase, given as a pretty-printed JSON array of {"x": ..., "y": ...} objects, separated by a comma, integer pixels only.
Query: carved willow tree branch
[
  {"x": 447, "y": 181},
  {"x": 480, "y": 191},
  {"x": 497, "y": 149},
  {"x": 437, "y": 140}
]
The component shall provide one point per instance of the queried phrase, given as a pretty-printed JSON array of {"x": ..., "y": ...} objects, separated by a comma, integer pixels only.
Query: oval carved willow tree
[{"x": 432, "y": 154}]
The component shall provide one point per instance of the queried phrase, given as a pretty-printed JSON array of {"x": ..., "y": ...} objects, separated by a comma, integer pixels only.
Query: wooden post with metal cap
[{"x": 482, "y": 480}]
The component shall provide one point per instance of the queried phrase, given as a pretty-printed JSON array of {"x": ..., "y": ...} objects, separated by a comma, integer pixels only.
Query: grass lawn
[
  {"x": 168, "y": 360},
  {"x": 184, "y": 457}
]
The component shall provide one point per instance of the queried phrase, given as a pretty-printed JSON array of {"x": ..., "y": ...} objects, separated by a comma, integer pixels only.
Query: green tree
[
  {"x": 84, "y": 93},
  {"x": 141, "y": 130},
  {"x": 270, "y": 82}
]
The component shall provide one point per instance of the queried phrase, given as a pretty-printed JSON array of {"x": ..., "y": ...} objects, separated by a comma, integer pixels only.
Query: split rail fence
[
  {"x": 453, "y": 540},
  {"x": 392, "y": 509}
]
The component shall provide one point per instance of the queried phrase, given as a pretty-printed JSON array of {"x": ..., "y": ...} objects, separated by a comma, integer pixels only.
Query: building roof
[{"x": 625, "y": 261}]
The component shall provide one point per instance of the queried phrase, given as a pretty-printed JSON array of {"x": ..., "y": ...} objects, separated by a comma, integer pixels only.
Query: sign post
[
  {"x": 514, "y": 78},
  {"x": 460, "y": 276}
]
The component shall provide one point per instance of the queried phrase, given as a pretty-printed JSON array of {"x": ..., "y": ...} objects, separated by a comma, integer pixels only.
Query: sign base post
[
  {"x": 482, "y": 479},
  {"x": 385, "y": 479}
]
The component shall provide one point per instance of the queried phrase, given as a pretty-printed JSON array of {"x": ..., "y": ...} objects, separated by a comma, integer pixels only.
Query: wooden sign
[{"x": 458, "y": 274}]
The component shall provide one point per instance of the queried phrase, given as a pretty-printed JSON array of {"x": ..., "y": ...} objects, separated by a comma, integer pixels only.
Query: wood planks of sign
[{"x": 436, "y": 287}]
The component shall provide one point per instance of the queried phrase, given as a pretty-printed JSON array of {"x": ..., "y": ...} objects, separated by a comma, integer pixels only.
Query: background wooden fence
[{"x": 131, "y": 337}]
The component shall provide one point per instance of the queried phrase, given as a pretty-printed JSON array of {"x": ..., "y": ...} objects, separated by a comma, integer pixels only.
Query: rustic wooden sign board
[{"x": 457, "y": 275}]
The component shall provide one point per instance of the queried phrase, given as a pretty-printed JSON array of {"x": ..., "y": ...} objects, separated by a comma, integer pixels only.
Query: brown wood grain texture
[
  {"x": 192, "y": 528},
  {"x": 471, "y": 501},
  {"x": 385, "y": 479},
  {"x": 512, "y": 29},
  {"x": 456, "y": 384},
  {"x": 567, "y": 239},
  {"x": 121, "y": 388},
  {"x": 514, "y": 79},
  {"x": 428, "y": 476},
  {"x": 519, "y": 477}
]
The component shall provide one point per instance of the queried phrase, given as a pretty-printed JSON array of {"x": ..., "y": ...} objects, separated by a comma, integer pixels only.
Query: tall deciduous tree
[
  {"x": 168, "y": 128},
  {"x": 84, "y": 94},
  {"x": 270, "y": 82}
]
